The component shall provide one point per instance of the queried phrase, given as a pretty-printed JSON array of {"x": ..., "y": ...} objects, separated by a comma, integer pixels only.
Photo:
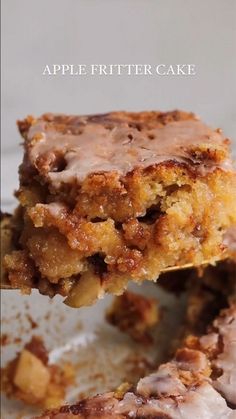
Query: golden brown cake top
[{"x": 67, "y": 148}]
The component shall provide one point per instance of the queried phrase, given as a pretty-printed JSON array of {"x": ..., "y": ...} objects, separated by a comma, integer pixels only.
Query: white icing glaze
[
  {"x": 226, "y": 361},
  {"x": 120, "y": 149},
  {"x": 163, "y": 383}
]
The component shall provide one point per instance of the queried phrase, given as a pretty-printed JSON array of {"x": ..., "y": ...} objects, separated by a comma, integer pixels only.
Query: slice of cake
[{"x": 105, "y": 199}]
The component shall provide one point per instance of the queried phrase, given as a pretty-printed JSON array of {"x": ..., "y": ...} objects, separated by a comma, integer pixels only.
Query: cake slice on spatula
[{"x": 105, "y": 199}]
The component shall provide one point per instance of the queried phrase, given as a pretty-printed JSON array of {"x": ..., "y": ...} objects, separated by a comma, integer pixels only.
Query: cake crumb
[
  {"x": 33, "y": 380},
  {"x": 135, "y": 315}
]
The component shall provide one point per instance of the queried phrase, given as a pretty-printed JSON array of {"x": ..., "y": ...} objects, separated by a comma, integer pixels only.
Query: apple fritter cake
[{"x": 105, "y": 199}]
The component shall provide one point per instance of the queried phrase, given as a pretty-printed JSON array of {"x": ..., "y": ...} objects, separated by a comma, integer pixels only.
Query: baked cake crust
[{"x": 109, "y": 198}]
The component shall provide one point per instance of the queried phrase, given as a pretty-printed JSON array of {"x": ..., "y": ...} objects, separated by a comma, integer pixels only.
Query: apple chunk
[{"x": 31, "y": 376}]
